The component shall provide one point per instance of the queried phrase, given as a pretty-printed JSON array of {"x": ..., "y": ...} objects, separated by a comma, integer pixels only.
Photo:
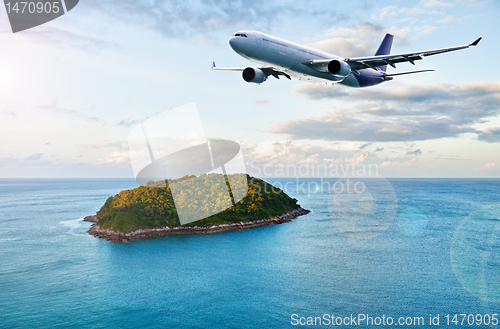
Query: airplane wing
[
  {"x": 359, "y": 63},
  {"x": 268, "y": 70},
  {"x": 214, "y": 67}
]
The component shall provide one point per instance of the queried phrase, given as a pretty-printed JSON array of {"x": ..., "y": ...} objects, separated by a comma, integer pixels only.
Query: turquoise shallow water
[{"x": 54, "y": 275}]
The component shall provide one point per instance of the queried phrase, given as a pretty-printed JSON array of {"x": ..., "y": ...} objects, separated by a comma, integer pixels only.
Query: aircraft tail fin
[{"x": 385, "y": 48}]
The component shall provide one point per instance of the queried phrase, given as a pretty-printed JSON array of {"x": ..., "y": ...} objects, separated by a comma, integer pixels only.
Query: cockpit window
[
  {"x": 244, "y": 35},
  {"x": 240, "y": 35}
]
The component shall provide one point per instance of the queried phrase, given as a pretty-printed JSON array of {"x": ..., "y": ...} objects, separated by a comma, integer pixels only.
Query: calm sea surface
[{"x": 440, "y": 256}]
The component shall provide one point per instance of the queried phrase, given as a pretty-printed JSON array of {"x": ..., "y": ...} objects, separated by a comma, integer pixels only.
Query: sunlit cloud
[
  {"x": 488, "y": 166},
  {"x": 358, "y": 40},
  {"x": 491, "y": 135},
  {"x": 260, "y": 102},
  {"x": 405, "y": 113},
  {"x": 180, "y": 18},
  {"x": 35, "y": 157},
  {"x": 55, "y": 108},
  {"x": 398, "y": 164}
]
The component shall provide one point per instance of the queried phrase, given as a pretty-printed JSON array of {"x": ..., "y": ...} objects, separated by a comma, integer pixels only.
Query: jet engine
[
  {"x": 339, "y": 68},
  {"x": 253, "y": 75}
]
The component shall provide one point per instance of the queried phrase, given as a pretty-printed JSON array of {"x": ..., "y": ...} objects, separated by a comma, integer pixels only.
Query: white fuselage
[{"x": 288, "y": 57}]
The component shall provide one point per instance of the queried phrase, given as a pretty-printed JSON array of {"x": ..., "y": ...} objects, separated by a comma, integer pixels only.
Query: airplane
[{"x": 285, "y": 58}]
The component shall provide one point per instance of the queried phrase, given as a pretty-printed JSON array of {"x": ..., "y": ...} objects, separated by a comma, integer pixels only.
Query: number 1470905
[
  {"x": 471, "y": 319},
  {"x": 33, "y": 7}
]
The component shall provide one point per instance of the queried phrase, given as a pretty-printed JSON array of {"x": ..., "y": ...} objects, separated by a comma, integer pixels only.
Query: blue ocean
[{"x": 436, "y": 264}]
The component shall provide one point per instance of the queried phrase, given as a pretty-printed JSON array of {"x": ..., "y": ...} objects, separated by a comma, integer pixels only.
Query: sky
[{"x": 72, "y": 90}]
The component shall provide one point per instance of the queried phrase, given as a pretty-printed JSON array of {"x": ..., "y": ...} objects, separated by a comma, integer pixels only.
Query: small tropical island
[{"x": 151, "y": 210}]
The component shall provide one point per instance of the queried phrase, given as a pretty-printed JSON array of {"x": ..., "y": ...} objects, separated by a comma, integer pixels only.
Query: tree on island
[{"x": 153, "y": 205}]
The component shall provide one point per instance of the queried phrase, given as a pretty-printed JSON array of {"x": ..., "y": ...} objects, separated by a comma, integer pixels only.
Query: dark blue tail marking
[{"x": 385, "y": 48}]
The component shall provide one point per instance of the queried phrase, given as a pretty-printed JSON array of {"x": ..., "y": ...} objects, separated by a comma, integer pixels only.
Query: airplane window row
[{"x": 240, "y": 35}]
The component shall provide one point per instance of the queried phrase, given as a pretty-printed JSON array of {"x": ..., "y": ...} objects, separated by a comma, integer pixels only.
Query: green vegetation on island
[{"x": 153, "y": 205}]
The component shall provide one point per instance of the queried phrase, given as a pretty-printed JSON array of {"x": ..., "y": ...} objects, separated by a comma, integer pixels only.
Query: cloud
[
  {"x": 292, "y": 159},
  {"x": 92, "y": 119},
  {"x": 407, "y": 12},
  {"x": 129, "y": 122},
  {"x": 406, "y": 113},
  {"x": 297, "y": 159},
  {"x": 176, "y": 18},
  {"x": 398, "y": 164},
  {"x": 424, "y": 17},
  {"x": 261, "y": 102},
  {"x": 359, "y": 40},
  {"x": 415, "y": 152},
  {"x": 425, "y": 29},
  {"x": 54, "y": 108},
  {"x": 451, "y": 20},
  {"x": 103, "y": 144},
  {"x": 436, "y": 4},
  {"x": 64, "y": 39},
  {"x": 34, "y": 157},
  {"x": 491, "y": 135},
  {"x": 118, "y": 156},
  {"x": 488, "y": 166},
  {"x": 11, "y": 114}
]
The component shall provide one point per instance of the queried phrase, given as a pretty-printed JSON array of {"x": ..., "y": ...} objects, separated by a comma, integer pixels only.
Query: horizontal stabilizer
[
  {"x": 402, "y": 73},
  {"x": 214, "y": 67}
]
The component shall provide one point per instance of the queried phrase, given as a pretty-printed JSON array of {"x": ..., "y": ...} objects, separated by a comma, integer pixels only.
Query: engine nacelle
[
  {"x": 339, "y": 68},
  {"x": 253, "y": 75}
]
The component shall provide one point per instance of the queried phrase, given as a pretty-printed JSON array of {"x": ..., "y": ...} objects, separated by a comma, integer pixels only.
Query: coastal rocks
[
  {"x": 111, "y": 235},
  {"x": 92, "y": 219}
]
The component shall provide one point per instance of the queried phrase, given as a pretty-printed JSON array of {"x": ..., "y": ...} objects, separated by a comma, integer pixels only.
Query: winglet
[
  {"x": 213, "y": 65},
  {"x": 476, "y": 42}
]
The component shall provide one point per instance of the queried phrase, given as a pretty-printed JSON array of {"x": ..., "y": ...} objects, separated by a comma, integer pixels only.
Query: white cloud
[
  {"x": 54, "y": 108},
  {"x": 398, "y": 164},
  {"x": 406, "y": 113},
  {"x": 436, "y": 4},
  {"x": 176, "y": 18},
  {"x": 490, "y": 134},
  {"x": 488, "y": 166},
  {"x": 423, "y": 18},
  {"x": 260, "y": 102},
  {"x": 35, "y": 157},
  {"x": 118, "y": 156},
  {"x": 101, "y": 145},
  {"x": 451, "y": 20},
  {"x": 359, "y": 40},
  {"x": 275, "y": 154},
  {"x": 425, "y": 29}
]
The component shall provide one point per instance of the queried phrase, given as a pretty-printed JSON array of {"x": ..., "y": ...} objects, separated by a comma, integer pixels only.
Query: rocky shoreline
[
  {"x": 92, "y": 219},
  {"x": 111, "y": 235}
]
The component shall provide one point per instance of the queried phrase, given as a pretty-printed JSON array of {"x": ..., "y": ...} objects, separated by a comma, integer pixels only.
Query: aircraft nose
[{"x": 235, "y": 43}]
